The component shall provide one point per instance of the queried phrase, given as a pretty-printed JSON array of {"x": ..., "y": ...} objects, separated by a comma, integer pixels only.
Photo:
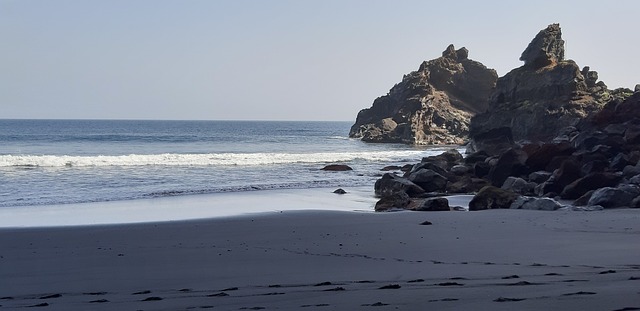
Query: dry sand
[{"x": 331, "y": 260}]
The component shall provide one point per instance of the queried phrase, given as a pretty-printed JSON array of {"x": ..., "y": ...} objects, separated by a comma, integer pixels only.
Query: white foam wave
[{"x": 228, "y": 159}]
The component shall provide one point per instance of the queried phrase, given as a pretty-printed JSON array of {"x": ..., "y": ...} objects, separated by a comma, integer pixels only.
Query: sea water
[{"x": 51, "y": 162}]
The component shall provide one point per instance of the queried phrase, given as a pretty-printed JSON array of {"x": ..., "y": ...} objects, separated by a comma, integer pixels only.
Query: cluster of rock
[
  {"x": 432, "y": 105},
  {"x": 593, "y": 166},
  {"x": 550, "y": 132}
]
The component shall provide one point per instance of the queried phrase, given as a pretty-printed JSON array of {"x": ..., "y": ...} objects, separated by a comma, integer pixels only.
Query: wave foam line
[{"x": 228, "y": 159}]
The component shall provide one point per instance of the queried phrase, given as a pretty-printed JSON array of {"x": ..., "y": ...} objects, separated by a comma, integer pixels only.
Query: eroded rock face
[
  {"x": 544, "y": 95},
  {"x": 432, "y": 105}
]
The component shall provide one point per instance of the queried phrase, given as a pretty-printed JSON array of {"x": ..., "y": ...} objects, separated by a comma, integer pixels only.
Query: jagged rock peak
[
  {"x": 432, "y": 105},
  {"x": 458, "y": 55},
  {"x": 545, "y": 49}
]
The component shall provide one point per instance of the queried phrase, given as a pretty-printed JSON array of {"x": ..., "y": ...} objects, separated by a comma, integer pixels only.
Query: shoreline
[
  {"x": 188, "y": 207},
  {"x": 496, "y": 259}
]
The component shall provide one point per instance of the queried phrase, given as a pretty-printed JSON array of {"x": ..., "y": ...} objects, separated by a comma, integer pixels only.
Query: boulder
[
  {"x": 339, "y": 191},
  {"x": 539, "y": 204},
  {"x": 432, "y": 105},
  {"x": 481, "y": 169},
  {"x": 518, "y": 185},
  {"x": 476, "y": 157},
  {"x": 493, "y": 141},
  {"x": 590, "y": 182},
  {"x": 393, "y": 201},
  {"x": 428, "y": 166},
  {"x": 445, "y": 160},
  {"x": 432, "y": 205},
  {"x": 429, "y": 180},
  {"x": 539, "y": 176},
  {"x": 510, "y": 163},
  {"x": 390, "y": 184},
  {"x": 391, "y": 168},
  {"x": 609, "y": 197},
  {"x": 337, "y": 168},
  {"x": 459, "y": 169},
  {"x": 491, "y": 197},
  {"x": 466, "y": 184},
  {"x": 584, "y": 199},
  {"x": 541, "y": 157},
  {"x": 568, "y": 172}
]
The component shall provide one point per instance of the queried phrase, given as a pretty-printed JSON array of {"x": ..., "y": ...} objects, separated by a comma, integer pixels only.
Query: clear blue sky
[{"x": 273, "y": 60}]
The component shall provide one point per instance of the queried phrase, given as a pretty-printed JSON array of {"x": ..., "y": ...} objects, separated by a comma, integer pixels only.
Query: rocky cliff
[
  {"x": 432, "y": 105},
  {"x": 544, "y": 95}
]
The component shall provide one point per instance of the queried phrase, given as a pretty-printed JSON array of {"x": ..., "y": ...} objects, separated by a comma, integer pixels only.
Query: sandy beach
[{"x": 331, "y": 260}]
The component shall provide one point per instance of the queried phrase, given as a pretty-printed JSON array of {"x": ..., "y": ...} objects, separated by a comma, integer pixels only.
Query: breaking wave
[{"x": 211, "y": 159}]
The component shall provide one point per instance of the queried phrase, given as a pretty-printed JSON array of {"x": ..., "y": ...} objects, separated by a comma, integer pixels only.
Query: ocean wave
[{"x": 221, "y": 159}]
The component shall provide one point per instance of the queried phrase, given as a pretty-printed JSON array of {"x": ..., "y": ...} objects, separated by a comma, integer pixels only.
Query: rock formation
[
  {"x": 550, "y": 130},
  {"x": 544, "y": 95},
  {"x": 432, "y": 105},
  {"x": 597, "y": 166}
]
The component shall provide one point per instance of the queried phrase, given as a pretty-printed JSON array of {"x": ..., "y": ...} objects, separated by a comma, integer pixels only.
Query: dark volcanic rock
[
  {"x": 493, "y": 141},
  {"x": 609, "y": 197},
  {"x": 432, "y": 205},
  {"x": 429, "y": 180},
  {"x": 396, "y": 200},
  {"x": 590, "y": 182},
  {"x": 510, "y": 163},
  {"x": 337, "y": 167},
  {"x": 538, "y": 204},
  {"x": 539, "y": 159},
  {"x": 445, "y": 160},
  {"x": 543, "y": 96},
  {"x": 518, "y": 185},
  {"x": 432, "y": 105},
  {"x": 545, "y": 49},
  {"x": 390, "y": 184},
  {"x": 568, "y": 172},
  {"x": 491, "y": 197},
  {"x": 466, "y": 184}
]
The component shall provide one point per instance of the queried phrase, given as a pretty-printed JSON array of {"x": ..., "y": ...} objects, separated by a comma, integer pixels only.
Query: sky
[{"x": 314, "y": 60}]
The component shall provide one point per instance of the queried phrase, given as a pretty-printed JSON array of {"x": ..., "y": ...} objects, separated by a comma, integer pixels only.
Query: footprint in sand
[
  {"x": 51, "y": 296},
  {"x": 377, "y": 304},
  {"x": 450, "y": 284},
  {"x": 505, "y": 299},
  {"x": 391, "y": 286},
  {"x": 607, "y": 272},
  {"x": 337, "y": 289},
  {"x": 444, "y": 300},
  {"x": 220, "y": 294},
  {"x": 580, "y": 293}
]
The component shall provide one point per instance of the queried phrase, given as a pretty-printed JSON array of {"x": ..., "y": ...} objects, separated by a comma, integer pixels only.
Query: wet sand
[{"x": 331, "y": 260}]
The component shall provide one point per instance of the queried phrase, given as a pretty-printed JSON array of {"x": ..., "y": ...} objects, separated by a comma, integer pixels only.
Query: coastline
[
  {"x": 188, "y": 207},
  {"x": 489, "y": 260}
]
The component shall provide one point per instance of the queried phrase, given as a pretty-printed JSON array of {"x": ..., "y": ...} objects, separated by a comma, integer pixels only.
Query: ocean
[{"x": 52, "y": 162}]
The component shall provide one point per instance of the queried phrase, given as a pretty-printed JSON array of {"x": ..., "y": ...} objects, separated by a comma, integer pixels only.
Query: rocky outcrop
[
  {"x": 551, "y": 130},
  {"x": 544, "y": 95},
  {"x": 432, "y": 105}
]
